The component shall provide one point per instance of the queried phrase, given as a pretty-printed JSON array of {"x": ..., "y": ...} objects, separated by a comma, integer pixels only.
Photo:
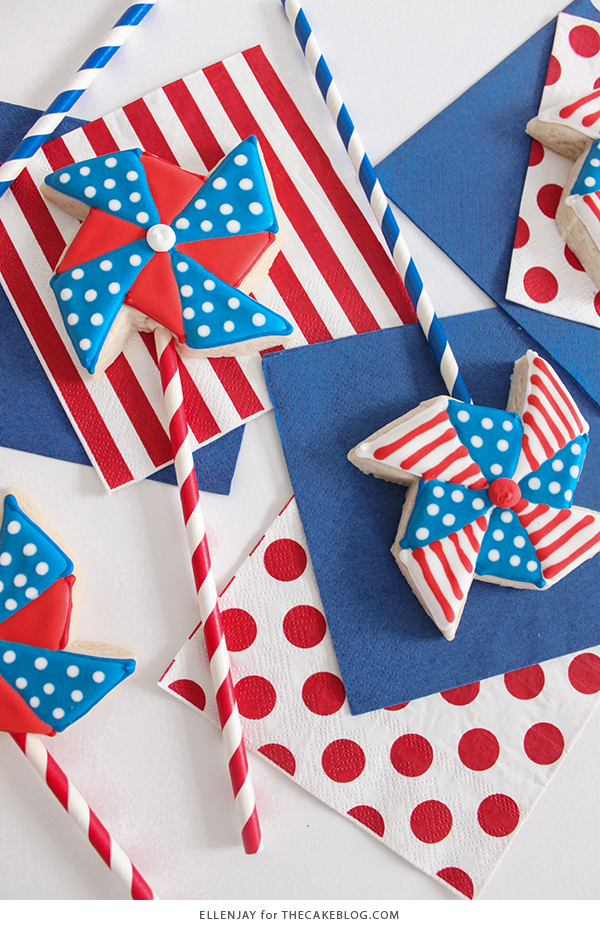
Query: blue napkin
[
  {"x": 32, "y": 418},
  {"x": 481, "y": 150},
  {"x": 328, "y": 397}
]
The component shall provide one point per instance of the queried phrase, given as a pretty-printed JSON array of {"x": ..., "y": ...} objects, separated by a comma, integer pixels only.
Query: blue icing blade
[
  {"x": 60, "y": 687},
  {"x": 30, "y": 562},
  {"x": 217, "y": 314},
  {"x": 588, "y": 179},
  {"x": 554, "y": 482},
  {"x": 441, "y": 509},
  {"x": 493, "y": 437},
  {"x": 90, "y": 295},
  {"x": 506, "y": 551},
  {"x": 114, "y": 183},
  {"x": 233, "y": 201}
]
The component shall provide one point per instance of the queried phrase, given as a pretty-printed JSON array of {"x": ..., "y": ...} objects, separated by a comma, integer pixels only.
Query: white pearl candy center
[{"x": 160, "y": 237}]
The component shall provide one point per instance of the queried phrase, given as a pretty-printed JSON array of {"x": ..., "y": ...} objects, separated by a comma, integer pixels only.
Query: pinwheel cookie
[
  {"x": 47, "y": 680},
  {"x": 573, "y": 129},
  {"x": 160, "y": 246},
  {"x": 490, "y": 491}
]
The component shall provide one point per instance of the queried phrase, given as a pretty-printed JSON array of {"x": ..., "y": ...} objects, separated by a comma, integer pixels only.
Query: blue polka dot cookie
[
  {"x": 490, "y": 492},
  {"x": 161, "y": 246}
]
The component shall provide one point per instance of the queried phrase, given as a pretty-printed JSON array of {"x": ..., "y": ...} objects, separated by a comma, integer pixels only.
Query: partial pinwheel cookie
[
  {"x": 48, "y": 680},
  {"x": 572, "y": 129},
  {"x": 490, "y": 491}
]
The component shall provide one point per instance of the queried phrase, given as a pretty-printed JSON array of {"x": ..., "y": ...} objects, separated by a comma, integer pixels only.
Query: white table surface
[{"x": 154, "y": 770}]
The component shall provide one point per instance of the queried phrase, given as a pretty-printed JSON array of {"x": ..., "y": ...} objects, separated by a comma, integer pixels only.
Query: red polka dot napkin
[
  {"x": 544, "y": 273},
  {"x": 445, "y": 781}
]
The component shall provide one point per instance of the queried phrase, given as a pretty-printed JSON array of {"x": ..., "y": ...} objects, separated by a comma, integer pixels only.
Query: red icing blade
[
  {"x": 16, "y": 716},
  {"x": 154, "y": 292},
  {"x": 229, "y": 259},
  {"x": 99, "y": 233},
  {"x": 45, "y": 621},
  {"x": 172, "y": 187}
]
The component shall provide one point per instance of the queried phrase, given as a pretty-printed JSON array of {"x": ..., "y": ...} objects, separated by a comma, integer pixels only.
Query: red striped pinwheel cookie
[{"x": 490, "y": 491}]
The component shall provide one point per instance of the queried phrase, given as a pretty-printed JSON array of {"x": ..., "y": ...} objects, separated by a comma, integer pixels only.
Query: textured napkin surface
[
  {"x": 544, "y": 273},
  {"x": 486, "y": 153},
  {"x": 330, "y": 397},
  {"x": 445, "y": 781},
  {"x": 332, "y": 278}
]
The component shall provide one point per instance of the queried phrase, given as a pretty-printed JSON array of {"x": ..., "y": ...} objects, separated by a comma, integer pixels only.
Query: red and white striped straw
[
  {"x": 208, "y": 603},
  {"x": 81, "y": 813}
]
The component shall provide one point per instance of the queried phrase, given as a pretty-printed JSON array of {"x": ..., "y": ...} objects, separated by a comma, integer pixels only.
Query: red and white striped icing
[
  {"x": 550, "y": 417},
  {"x": 582, "y": 114},
  {"x": 443, "y": 571},
  {"x": 563, "y": 539},
  {"x": 427, "y": 446}
]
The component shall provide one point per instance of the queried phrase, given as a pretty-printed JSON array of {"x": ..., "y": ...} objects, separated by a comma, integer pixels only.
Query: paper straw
[
  {"x": 53, "y": 116},
  {"x": 85, "y": 818},
  {"x": 426, "y": 315},
  {"x": 208, "y": 604}
]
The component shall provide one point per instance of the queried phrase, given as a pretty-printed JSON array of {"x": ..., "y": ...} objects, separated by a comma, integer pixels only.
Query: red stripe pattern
[
  {"x": 443, "y": 571},
  {"x": 562, "y": 539},
  {"x": 193, "y": 122},
  {"x": 424, "y": 444},
  {"x": 208, "y": 604},
  {"x": 81, "y": 813},
  {"x": 550, "y": 417}
]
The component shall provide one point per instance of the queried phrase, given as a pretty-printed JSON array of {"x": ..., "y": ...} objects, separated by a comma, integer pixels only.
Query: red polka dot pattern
[
  {"x": 544, "y": 743},
  {"x": 526, "y": 683},
  {"x": 585, "y": 41},
  {"x": 541, "y": 285},
  {"x": 573, "y": 260},
  {"x": 431, "y": 821},
  {"x": 498, "y": 815},
  {"x": 412, "y": 774},
  {"x": 522, "y": 233},
  {"x": 190, "y": 691},
  {"x": 411, "y": 755},
  {"x": 459, "y": 879},
  {"x": 304, "y": 626},
  {"x": 463, "y": 695},
  {"x": 281, "y": 756},
  {"x": 478, "y": 749},
  {"x": 597, "y": 303},
  {"x": 323, "y": 693},
  {"x": 544, "y": 274},
  {"x": 343, "y": 760},
  {"x": 547, "y": 199},
  {"x": 239, "y": 627},
  {"x": 536, "y": 154},
  {"x": 369, "y": 817},
  {"x": 285, "y": 559},
  {"x": 554, "y": 71},
  {"x": 584, "y": 673},
  {"x": 255, "y": 696}
]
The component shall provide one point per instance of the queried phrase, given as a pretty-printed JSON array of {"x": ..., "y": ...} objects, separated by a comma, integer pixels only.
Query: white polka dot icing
[
  {"x": 44, "y": 678},
  {"x": 492, "y": 436},
  {"x": 556, "y": 479},
  {"x": 26, "y": 552},
  {"x": 436, "y": 513},
  {"x": 235, "y": 201},
  {"x": 107, "y": 183}
]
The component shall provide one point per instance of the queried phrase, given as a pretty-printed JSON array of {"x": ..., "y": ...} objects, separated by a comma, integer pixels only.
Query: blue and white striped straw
[
  {"x": 426, "y": 315},
  {"x": 52, "y": 118}
]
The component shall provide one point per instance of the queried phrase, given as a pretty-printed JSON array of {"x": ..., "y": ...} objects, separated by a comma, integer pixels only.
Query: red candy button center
[{"x": 504, "y": 492}]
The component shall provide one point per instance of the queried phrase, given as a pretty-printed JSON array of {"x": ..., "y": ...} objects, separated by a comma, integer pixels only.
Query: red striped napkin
[{"x": 333, "y": 277}]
